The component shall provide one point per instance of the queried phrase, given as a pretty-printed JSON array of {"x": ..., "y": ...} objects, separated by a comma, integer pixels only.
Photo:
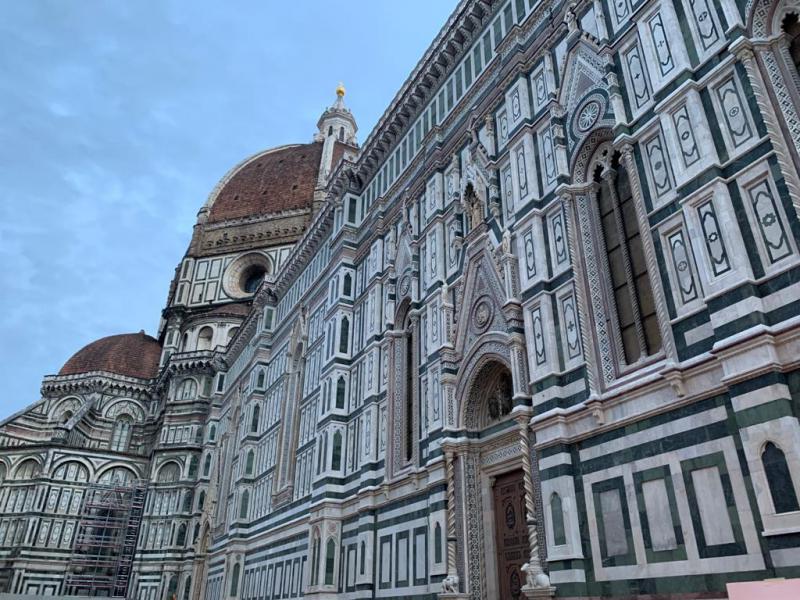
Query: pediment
[{"x": 480, "y": 308}]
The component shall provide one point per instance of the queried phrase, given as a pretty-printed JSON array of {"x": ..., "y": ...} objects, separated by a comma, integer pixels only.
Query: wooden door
[{"x": 511, "y": 534}]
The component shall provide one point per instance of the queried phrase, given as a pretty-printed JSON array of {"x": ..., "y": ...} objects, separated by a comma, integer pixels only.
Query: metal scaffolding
[{"x": 105, "y": 543}]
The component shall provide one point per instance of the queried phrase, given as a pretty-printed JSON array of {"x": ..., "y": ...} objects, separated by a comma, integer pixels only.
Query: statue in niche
[
  {"x": 474, "y": 206},
  {"x": 500, "y": 398}
]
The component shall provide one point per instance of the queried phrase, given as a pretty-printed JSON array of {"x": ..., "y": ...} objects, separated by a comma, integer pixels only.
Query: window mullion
[{"x": 611, "y": 176}]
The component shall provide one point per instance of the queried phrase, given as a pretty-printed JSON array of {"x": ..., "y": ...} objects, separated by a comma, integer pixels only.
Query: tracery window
[
  {"x": 207, "y": 465},
  {"x": 201, "y": 501},
  {"x": 121, "y": 434},
  {"x": 779, "y": 479},
  {"x": 244, "y": 504},
  {"x": 255, "y": 418},
  {"x": 628, "y": 280}
]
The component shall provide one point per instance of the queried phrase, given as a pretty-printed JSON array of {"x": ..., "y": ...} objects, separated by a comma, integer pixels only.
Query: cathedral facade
[{"x": 538, "y": 336}]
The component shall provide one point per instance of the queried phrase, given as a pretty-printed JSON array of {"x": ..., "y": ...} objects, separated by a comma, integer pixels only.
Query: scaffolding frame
[{"x": 105, "y": 542}]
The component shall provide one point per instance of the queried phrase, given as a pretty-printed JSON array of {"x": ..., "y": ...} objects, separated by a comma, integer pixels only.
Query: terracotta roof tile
[
  {"x": 271, "y": 182},
  {"x": 127, "y": 354}
]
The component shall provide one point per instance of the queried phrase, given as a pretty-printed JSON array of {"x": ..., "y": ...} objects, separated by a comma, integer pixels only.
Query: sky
[{"x": 117, "y": 118}]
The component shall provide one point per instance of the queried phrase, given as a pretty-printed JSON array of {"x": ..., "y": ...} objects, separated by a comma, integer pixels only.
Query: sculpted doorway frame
[{"x": 473, "y": 465}]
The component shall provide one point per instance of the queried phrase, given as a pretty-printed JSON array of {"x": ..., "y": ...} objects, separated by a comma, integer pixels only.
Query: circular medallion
[
  {"x": 482, "y": 314},
  {"x": 405, "y": 284},
  {"x": 588, "y": 116}
]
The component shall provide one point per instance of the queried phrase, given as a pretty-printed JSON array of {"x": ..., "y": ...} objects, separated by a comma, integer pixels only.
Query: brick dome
[
  {"x": 271, "y": 182},
  {"x": 127, "y": 354}
]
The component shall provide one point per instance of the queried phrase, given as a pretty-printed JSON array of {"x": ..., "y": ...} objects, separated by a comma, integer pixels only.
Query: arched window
[
  {"x": 341, "y": 134},
  {"x": 198, "y": 436},
  {"x": 348, "y": 284},
  {"x": 3, "y": 472},
  {"x": 188, "y": 499},
  {"x": 169, "y": 473},
  {"x": 234, "y": 590},
  {"x": 193, "y": 464},
  {"x": 196, "y": 533},
  {"x": 437, "y": 544},
  {"x": 244, "y": 504},
  {"x": 27, "y": 469},
  {"x": 201, "y": 501},
  {"x": 71, "y": 471},
  {"x": 180, "y": 539},
  {"x": 557, "y": 516},
  {"x": 187, "y": 588},
  {"x": 172, "y": 587},
  {"x": 232, "y": 333},
  {"x": 791, "y": 26},
  {"x": 330, "y": 558},
  {"x": 409, "y": 369},
  {"x": 252, "y": 278},
  {"x": 315, "y": 559},
  {"x": 207, "y": 466},
  {"x": 204, "y": 338},
  {"x": 188, "y": 389},
  {"x": 340, "y": 390},
  {"x": 121, "y": 434},
  {"x": 336, "y": 453},
  {"x": 65, "y": 417},
  {"x": 261, "y": 379},
  {"x": 254, "y": 419},
  {"x": 779, "y": 479},
  {"x": 212, "y": 433},
  {"x": 628, "y": 279},
  {"x": 117, "y": 476},
  {"x": 344, "y": 335},
  {"x": 363, "y": 566},
  {"x": 330, "y": 129},
  {"x": 251, "y": 457},
  {"x": 320, "y": 456}
]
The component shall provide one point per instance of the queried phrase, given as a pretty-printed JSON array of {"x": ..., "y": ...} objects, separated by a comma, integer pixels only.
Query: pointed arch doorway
[{"x": 493, "y": 517}]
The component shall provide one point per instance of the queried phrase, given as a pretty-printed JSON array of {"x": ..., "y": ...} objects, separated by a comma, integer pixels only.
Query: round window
[
  {"x": 245, "y": 274},
  {"x": 252, "y": 278}
]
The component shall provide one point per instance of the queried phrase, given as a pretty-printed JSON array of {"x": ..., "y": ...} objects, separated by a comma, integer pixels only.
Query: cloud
[{"x": 118, "y": 118}]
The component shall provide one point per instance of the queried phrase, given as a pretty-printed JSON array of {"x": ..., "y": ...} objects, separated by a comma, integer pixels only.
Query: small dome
[
  {"x": 271, "y": 182},
  {"x": 127, "y": 354}
]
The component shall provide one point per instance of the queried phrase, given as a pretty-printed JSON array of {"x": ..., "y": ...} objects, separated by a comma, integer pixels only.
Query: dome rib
[{"x": 128, "y": 354}]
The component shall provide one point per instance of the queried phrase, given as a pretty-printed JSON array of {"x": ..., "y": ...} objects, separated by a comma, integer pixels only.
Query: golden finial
[{"x": 340, "y": 89}]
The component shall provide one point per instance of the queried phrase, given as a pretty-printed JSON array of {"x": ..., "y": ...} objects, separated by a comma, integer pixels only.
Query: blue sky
[{"x": 118, "y": 118}]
